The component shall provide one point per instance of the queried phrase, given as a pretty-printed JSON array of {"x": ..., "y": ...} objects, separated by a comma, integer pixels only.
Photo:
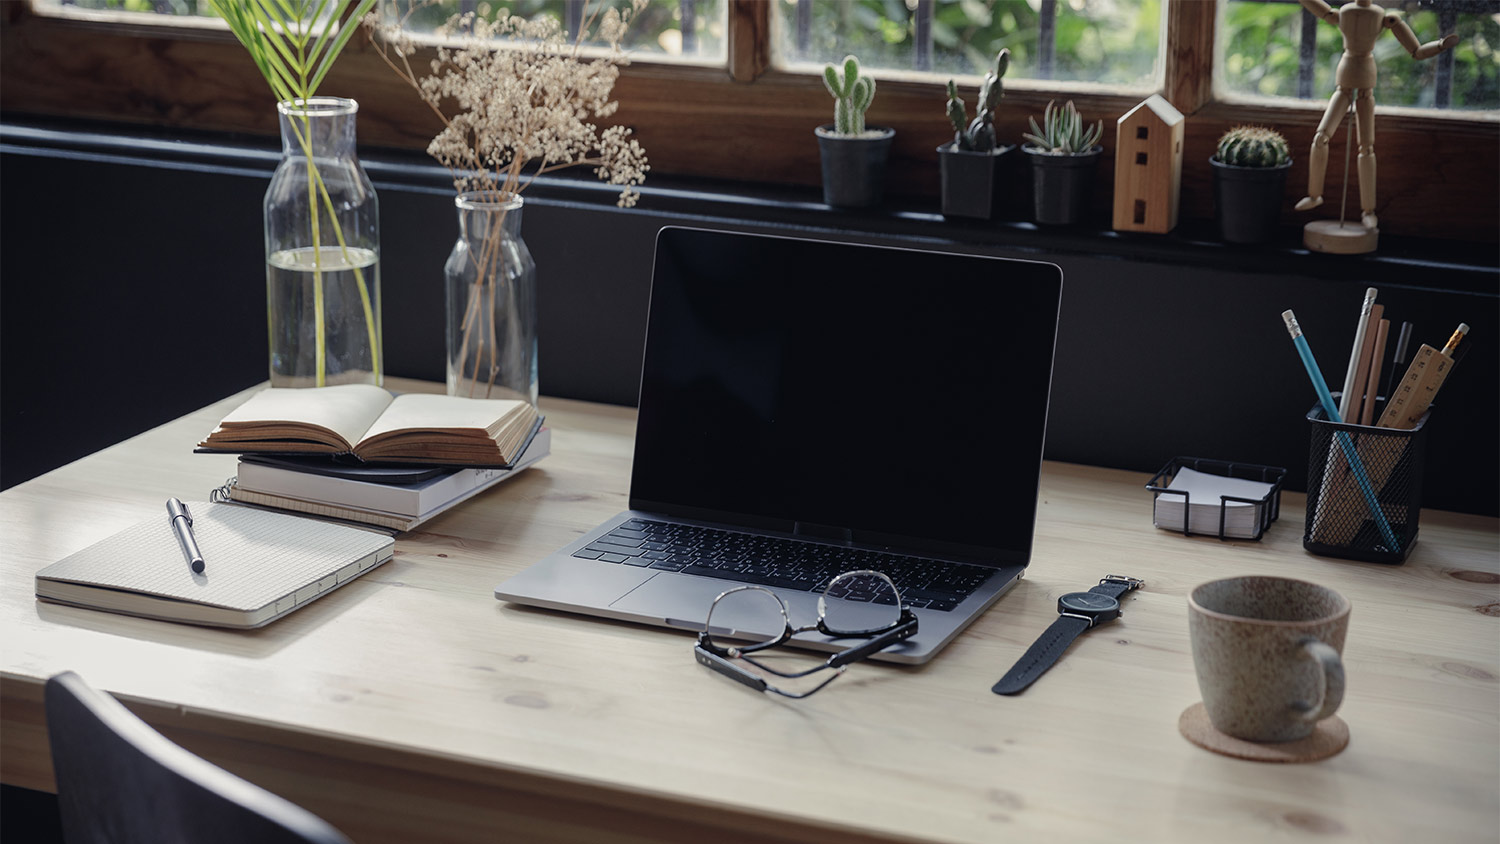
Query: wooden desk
[{"x": 413, "y": 706}]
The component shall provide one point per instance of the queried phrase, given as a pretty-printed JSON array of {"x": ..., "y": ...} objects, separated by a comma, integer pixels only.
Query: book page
[
  {"x": 454, "y": 414},
  {"x": 340, "y": 414}
]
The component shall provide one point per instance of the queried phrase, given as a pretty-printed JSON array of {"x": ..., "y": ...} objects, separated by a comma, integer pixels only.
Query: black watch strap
[
  {"x": 1042, "y": 655},
  {"x": 1049, "y": 647}
]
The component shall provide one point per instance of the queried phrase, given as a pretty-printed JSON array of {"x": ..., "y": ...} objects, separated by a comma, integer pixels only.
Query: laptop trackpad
[{"x": 683, "y": 600}]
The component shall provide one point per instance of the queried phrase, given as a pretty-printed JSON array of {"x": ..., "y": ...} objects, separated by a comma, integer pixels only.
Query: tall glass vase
[
  {"x": 322, "y": 252},
  {"x": 491, "y": 291}
]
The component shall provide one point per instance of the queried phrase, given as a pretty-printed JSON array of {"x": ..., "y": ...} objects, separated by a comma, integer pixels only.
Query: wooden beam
[{"x": 1190, "y": 54}]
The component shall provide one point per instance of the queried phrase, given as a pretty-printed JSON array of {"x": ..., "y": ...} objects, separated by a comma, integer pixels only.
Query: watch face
[{"x": 1087, "y": 603}]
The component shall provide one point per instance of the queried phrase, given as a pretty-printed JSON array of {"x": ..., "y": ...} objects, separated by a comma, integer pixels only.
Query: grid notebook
[{"x": 259, "y": 566}]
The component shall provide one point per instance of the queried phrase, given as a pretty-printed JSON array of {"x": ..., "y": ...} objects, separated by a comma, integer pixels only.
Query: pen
[
  {"x": 1332, "y": 412},
  {"x": 182, "y": 525},
  {"x": 1399, "y": 360}
]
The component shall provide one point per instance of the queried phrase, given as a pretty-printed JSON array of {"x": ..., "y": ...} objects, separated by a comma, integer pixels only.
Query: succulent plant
[
  {"x": 979, "y": 136},
  {"x": 1062, "y": 131},
  {"x": 853, "y": 93},
  {"x": 1252, "y": 146}
]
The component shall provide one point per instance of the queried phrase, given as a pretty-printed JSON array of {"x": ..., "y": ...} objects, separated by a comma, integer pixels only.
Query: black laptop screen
[{"x": 898, "y": 395}]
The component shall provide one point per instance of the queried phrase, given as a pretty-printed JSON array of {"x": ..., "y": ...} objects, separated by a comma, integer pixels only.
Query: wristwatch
[{"x": 1077, "y": 612}]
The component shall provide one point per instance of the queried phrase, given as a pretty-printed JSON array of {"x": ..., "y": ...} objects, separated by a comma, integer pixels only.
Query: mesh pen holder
[{"x": 1388, "y": 467}]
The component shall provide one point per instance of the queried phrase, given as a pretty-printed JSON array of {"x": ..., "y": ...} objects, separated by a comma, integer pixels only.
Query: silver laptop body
[{"x": 867, "y": 400}]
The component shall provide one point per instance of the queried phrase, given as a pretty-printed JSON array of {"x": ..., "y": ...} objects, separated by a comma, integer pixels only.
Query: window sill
[{"x": 1412, "y": 262}]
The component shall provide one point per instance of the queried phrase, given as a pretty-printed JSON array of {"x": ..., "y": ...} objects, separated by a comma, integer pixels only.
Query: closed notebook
[{"x": 258, "y": 566}]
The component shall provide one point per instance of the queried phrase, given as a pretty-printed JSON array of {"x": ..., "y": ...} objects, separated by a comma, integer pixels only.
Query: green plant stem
[{"x": 315, "y": 183}]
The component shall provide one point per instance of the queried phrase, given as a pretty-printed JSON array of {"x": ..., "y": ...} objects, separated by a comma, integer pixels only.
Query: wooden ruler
[{"x": 1414, "y": 394}]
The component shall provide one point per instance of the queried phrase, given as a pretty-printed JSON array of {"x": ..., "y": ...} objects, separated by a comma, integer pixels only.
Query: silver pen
[{"x": 182, "y": 525}]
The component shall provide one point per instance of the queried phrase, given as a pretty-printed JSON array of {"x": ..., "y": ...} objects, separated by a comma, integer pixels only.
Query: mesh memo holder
[
  {"x": 1262, "y": 510},
  {"x": 1390, "y": 464}
]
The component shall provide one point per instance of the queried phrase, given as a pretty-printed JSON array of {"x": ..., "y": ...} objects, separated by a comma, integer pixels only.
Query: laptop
[{"x": 814, "y": 404}]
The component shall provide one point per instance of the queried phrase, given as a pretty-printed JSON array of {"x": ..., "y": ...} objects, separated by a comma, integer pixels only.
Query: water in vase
[{"x": 324, "y": 316}]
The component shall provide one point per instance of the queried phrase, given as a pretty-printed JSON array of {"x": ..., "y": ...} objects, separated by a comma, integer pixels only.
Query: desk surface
[{"x": 411, "y": 705}]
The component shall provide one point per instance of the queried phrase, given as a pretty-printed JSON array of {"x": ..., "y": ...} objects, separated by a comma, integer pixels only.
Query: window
[
  {"x": 728, "y": 89},
  {"x": 664, "y": 29},
  {"x": 1113, "y": 43}
]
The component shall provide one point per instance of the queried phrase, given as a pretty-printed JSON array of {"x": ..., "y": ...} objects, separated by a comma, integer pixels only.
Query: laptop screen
[{"x": 888, "y": 396}]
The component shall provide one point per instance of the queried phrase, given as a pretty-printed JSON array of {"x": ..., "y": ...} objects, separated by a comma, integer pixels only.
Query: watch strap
[
  {"x": 1043, "y": 653},
  {"x": 1114, "y": 588}
]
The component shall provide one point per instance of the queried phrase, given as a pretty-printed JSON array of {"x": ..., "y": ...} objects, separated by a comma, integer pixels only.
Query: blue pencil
[{"x": 1331, "y": 410}]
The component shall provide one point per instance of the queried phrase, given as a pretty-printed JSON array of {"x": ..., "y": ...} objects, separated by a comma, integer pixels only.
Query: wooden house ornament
[{"x": 1148, "y": 166}]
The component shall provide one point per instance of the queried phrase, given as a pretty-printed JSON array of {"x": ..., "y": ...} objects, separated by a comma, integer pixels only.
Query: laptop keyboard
[{"x": 785, "y": 563}]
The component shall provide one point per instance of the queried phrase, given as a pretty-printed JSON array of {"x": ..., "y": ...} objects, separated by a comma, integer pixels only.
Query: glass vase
[
  {"x": 322, "y": 252},
  {"x": 491, "y": 292}
]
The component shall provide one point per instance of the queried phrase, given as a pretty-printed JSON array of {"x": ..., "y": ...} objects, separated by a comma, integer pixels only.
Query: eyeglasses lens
[
  {"x": 860, "y": 603},
  {"x": 744, "y": 617}
]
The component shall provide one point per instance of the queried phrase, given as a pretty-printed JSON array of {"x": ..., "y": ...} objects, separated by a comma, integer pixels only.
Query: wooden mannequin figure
[{"x": 1361, "y": 23}]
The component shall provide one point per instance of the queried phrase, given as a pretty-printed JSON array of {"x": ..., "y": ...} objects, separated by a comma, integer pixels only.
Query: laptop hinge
[{"x": 816, "y": 531}]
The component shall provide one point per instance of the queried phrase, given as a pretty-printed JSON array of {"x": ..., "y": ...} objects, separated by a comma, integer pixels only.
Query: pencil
[
  {"x": 1458, "y": 336},
  {"x": 1342, "y": 437},
  {"x": 1346, "y": 399}
]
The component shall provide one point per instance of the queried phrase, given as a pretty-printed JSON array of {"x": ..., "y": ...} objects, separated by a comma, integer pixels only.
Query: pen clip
[{"x": 176, "y": 509}]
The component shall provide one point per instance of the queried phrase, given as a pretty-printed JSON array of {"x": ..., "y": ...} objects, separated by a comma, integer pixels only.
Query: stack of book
[
  {"x": 329, "y": 452},
  {"x": 397, "y": 498}
]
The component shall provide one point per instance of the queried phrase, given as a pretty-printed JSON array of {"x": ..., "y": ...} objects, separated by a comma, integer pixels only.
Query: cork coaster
[{"x": 1330, "y": 736}]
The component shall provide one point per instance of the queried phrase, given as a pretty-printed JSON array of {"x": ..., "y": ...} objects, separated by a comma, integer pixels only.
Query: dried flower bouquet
[{"x": 517, "y": 99}]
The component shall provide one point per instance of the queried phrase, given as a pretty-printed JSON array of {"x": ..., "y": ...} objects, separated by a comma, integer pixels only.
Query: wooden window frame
[{"x": 746, "y": 120}]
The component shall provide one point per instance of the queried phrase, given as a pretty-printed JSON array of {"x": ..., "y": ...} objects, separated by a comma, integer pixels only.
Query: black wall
[{"x": 132, "y": 291}]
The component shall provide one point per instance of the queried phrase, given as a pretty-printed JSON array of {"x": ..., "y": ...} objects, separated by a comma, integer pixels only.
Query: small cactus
[
  {"x": 1252, "y": 146},
  {"x": 979, "y": 136},
  {"x": 852, "y": 93},
  {"x": 1062, "y": 131}
]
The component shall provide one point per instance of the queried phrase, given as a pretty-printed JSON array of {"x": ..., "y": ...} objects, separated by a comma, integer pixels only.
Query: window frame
[{"x": 744, "y": 121}]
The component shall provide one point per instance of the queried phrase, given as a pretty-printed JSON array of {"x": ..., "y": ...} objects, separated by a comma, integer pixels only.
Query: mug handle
[{"x": 1332, "y": 671}]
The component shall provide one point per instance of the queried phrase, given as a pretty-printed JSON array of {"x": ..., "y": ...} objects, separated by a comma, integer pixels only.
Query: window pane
[
  {"x": 148, "y": 7},
  {"x": 1263, "y": 54},
  {"x": 1113, "y": 42},
  {"x": 690, "y": 29}
]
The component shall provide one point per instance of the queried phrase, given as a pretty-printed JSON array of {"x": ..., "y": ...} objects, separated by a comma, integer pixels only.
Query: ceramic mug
[{"x": 1267, "y": 652}]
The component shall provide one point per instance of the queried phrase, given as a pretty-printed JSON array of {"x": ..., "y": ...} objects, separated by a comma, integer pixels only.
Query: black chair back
[{"x": 118, "y": 780}]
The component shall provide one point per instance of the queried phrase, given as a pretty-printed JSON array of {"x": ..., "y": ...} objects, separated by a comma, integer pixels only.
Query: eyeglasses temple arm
[
  {"x": 906, "y": 630},
  {"x": 729, "y": 669}
]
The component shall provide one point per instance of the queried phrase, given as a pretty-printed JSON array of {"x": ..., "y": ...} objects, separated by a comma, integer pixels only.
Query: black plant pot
[
  {"x": 973, "y": 182},
  {"x": 854, "y": 168},
  {"x": 1062, "y": 184},
  {"x": 1248, "y": 200}
]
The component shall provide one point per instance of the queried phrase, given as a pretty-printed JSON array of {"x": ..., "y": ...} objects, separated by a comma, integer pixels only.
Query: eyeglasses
[{"x": 750, "y": 619}]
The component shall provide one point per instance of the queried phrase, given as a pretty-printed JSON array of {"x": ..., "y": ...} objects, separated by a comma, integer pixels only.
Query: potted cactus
[
  {"x": 971, "y": 165},
  {"x": 1250, "y": 167},
  {"x": 1064, "y": 155},
  {"x": 853, "y": 156}
]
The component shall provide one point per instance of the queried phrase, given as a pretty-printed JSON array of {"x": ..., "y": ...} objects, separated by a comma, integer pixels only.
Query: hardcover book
[{"x": 366, "y": 423}]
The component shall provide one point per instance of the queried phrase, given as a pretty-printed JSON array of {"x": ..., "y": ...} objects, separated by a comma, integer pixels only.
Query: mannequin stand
[{"x": 1341, "y": 237}]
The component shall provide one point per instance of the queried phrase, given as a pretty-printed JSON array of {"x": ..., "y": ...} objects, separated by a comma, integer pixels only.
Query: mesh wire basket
[{"x": 1386, "y": 468}]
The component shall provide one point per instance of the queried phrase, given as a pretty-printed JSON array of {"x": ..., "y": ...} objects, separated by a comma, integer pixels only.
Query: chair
[{"x": 118, "y": 780}]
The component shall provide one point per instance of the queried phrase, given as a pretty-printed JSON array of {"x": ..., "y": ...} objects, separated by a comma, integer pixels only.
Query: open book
[{"x": 367, "y": 422}]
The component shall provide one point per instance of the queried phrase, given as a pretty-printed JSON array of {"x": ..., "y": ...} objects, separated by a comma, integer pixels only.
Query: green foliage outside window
[{"x": 1261, "y": 49}]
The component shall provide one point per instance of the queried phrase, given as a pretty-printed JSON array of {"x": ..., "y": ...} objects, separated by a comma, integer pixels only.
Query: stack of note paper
[{"x": 1204, "y": 504}]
